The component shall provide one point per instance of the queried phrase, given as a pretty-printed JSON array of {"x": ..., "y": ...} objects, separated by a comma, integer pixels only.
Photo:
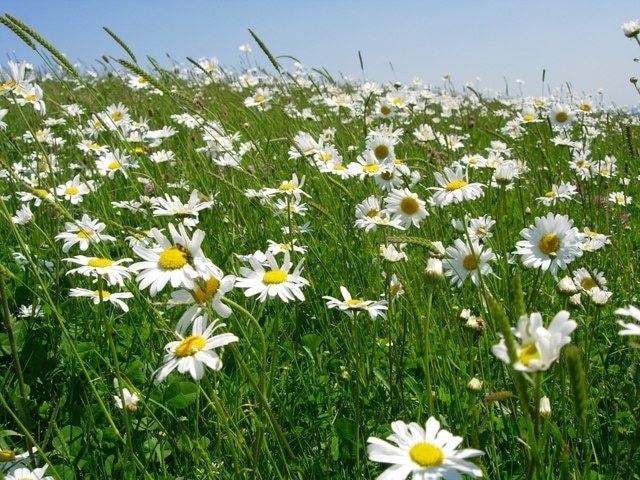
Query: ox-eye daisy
[
  {"x": 83, "y": 233},
  {"x": 99, "y": 267},
  {"x": 194, "y": 352},
  {"x": 454, "y": 187},
  {"x": 537, "y": 347},
  {"x": 172, "y": 261},
  {"x": 427, "y": 453},
  {"x": 406, "y": 207},
  {"x": 551, "y": 244},
  {"x": 352, "y": 306},
  {"x": 103, "y": 296},
  {"x": 274, "y": 281},
  {"x": 467, "y": 260}
]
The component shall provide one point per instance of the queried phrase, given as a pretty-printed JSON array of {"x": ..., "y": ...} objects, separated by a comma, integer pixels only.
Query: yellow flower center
[
  {"x": 381, "y": 151},
  {"x": 528, "y": 117},
  {"x": 372, "y": 213},
  {"x": 285, "y": 246},
  {"x": 103, "y": 293},
  {"x": 173, "y": 258},
  {"x": 549, "y": 244},
  {"x": 142, "y": 80},
  {"x": 528, "y": 353},
  {"x": 114, "y": 165},
  {"x": 117, "y": 116},
  {"x": 585, "y": 108},
  {"x": 550, "y": 194},
  {"x": 588, "y": 283},
  {"x": 190, "y": 346},
  {"x": 7, "y": 455},
  {"x": 71, "y": 191},
  {"x": 85, "y": 234},
  {"x": 274, "y": 277},
  {"x": 6, "y": 86},
  {"x": 353, "y": 303},
  {"x": 455, "y": 185},
  {"x": 409, "y": 205},
  {"x": 259, "y": 98},
  {"x": 324, "y": 157},
  {"x": 30, "y": 98},
  {"x": 562, "y": 117},
  {"x": 426, "y": 455},
  {"x": 394, "y": 290},
  {"x": 385, "y": 110},
  {"x": 469, "y": 262},
  {"x": 94, "y": 146},
  {"x": 210, "y": 288},
  {"x": 288, "y": 186},
  {"x": 339, "y": 167},
  {"x": 40, "y": 133},
  {"x": 41, "y": 192},
  {"x": 386, "y": 175},
  {"x": 99, "y": 262},
  {"x": 371, "y": 168}
]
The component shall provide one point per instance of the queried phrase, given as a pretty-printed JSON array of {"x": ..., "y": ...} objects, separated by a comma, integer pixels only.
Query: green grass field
[{"x": 441, "y": 224}]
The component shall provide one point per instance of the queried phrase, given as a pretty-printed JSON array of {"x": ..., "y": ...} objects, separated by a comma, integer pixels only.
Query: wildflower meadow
[{"x": 267, "y": 272}]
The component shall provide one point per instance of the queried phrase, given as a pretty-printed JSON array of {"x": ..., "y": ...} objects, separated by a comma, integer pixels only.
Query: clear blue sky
[{"x": 488, "y": 42}]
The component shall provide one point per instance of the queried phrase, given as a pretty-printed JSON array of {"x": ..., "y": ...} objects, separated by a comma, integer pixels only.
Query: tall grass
[{"x": 305, "y": 386}]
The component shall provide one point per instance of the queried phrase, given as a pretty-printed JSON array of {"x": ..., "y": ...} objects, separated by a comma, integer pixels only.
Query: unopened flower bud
[
  {"x": 567, "y": 286},
  {"x": 574, "y": 300},
  {"x": 475, "y": 384},
  {"x": 544, "y": 408},
  {"x": 434, "y": 273}
]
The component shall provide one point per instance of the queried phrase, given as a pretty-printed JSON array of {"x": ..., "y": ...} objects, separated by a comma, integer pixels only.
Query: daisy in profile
[
  {"x": 629, "y": 328},
  {"x": 98, "y": 296},
  {"x": 128, "y": 401},
  {"x": 550, "y": 244},
  {"x": 537, "y": 347},
  {"x": 211, "y": 285},
  {"x": 352, "y": 306},
  {"x": 191, "y": 354},
  {"x": 454, "y": 187},
  {"x": 113, "y": 272},
  {"x": 558, "y": 193},
  {"x": 272, "y": 281},
  {"x": 188, "y": 213},
  {"x": 171, "y": 261},
  {"x": 467, "y": 260},
  {"x": 275, "y": 247},
  {"x": 425, "y": 453},
  {"x": 406, "y": 207},
  {"x": 83, "y": 233}
]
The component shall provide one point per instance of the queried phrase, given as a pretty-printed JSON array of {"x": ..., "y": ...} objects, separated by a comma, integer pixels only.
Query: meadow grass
[{"x": 305, "y": 385}]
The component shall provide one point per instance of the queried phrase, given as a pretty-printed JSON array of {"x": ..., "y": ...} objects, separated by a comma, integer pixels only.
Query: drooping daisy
[
  {"x": 427, "y": 453},
  {"x": 274, "y": 281},
  {"x": 406, "y": 206},
  {"x": 83, "y": 233},
  {"x": 113, "y": 272},
  {"x": 192, "y": 353},
  {"x": 550, "y": 244},
  {"x": 467, "y": 260},
  {"x": 171, "y": 261},
  {"x": 454, "y": 187},
  {"x": 23, "y": 215},
  {"x": 103, "y": 296},
  {"x": 537, "y": 347},
  {"x": 629, "y": 328},
  {"x": 211, "y": 285},
  {"x": 130, "y": 400},
  {"x": 352, "y": 306}
]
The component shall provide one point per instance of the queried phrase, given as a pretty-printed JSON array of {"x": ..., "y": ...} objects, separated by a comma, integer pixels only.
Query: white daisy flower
[
  {"x": 274, "y": 281},
  {"x": 537, "y": 347},
  {"x": 172, "y": 261},
  {"x": 406, "y": 207},
  {"x": 467, "y": 260},
  {"x": 103, "y": 296},
  {"x": 351, "y": 306},
  {"x": 454, "y": 187},
  {"x": 113, "y": 272},
  {"x": 130, "y": 400},
  {"x": 83, "y": 233},
  {"x": 426, "y": 453},
  {"x": 551, "y": 244},
  {"x": 192, "y": 353},
  {"x": 629, "y": 328}
]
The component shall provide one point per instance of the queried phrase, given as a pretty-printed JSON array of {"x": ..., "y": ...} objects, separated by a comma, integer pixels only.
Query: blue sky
[{"x": 492, "y": 43}]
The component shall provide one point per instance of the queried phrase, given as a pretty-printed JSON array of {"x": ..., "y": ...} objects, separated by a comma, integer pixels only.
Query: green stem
[{"x": 427, "y": 352}]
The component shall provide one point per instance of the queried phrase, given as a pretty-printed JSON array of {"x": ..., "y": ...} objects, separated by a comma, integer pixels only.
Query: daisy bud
[
  {"x": 574, "y": 300},
  {"x": 566, "y": 286},
  {"x": 599, "y": 297},
  {"x": 433, "y": 272},
  {"x": 544, "y": 407},
  {"x": 475, "y": 384}
]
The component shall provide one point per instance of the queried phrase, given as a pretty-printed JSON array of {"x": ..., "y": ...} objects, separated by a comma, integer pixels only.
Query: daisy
[
  {"x": 23, "y": 215},
  {"x": 352, "y": 306},
  {"x": 210, "y": 287},
  {"x": 551, "y": 244},
  {"x": 464, "y": 260},
  {"x": 561, "y": 115},
  {"x": 23, "y": 473},
  {"x": 171, "y": 261},
  {"x": 188, "y": 213},
  {"x": 276, "y": 281},
  {"x": 289, "y": 187},
  {"x": 406, "y": 206},
  {"x": 73, "y": 190},
  {"x": 619, "y": 198},
  {"x": 260, "y": 99},
  {"x": 113, "y": 272},
  {"x": 558, "y": 193},
  {"x": 629, "y": 328},
  {"x": 9, "y": 460},
  {"x": 454, "y": 187},
  {"x": 83, "y": 233},
  {"x": 537, "y": 347},
  {"x": 196, "y": 351},
  {"x": 290, "y": 205},
  {"x": 130, "y": 400},
  {"x": 112, "y": 162},
  {"x": 303, "y": 145},
  {"x": 275, "y": 247},
  {"x": 103, "y": 296},
  {"x": 369, "y": 215},
  {"x": 427, "y": 453},
  {"x": 586, "y": 281},
  {"x": 391, "y": 254}
]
